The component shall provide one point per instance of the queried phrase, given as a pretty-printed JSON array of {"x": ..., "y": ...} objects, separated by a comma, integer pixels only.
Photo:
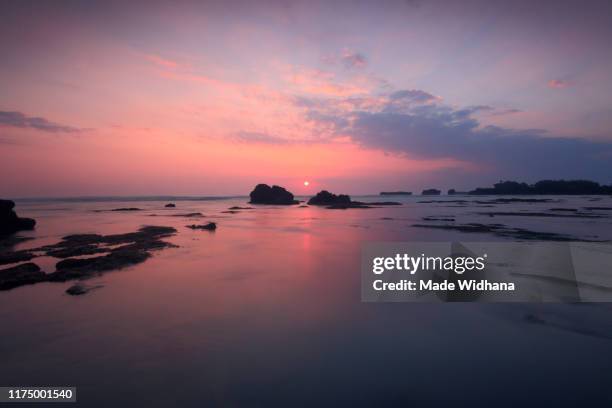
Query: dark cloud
[
  {"x": 415, "y": 95},
  {"x": 18, "y": 119},
  {"x": 354, "y": 60},
  {"x": 436, "y": 131}
]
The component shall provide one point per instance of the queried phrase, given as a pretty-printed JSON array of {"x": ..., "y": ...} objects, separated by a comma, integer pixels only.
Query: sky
[{"x": 211, "y": 98}]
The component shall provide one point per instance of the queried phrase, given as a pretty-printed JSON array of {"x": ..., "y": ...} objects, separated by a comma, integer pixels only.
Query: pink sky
[{"x": 206, "y": 100}]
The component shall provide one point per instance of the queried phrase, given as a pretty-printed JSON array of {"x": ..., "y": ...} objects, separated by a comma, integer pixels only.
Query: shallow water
[{"x": 266, "y": 311}]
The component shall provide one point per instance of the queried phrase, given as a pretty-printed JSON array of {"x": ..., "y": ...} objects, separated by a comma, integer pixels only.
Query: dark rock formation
[
  {"x": 80, "y": 289},
  {"x": 170, "y": 205},
  {"x": 24, "y": 274},
  {"x": 127, "y": 209},
  {"x": 452, "y": 191},
  {"x": 383, "y": 193},
  {"x": 10, "y": 222},
  {"x": 380, "y": 203},
  {"x": 120, "y": 250},
  {"x": 328, "y": 199},
  {"x": 211, "y": 226},
  {"x": 543, "y": 187},
  {"x": 189, "y": 215},
  {"x": 240, "y": 208},
  {"x": 431, "y": 191},
  {"x": 264, "y": 194}
]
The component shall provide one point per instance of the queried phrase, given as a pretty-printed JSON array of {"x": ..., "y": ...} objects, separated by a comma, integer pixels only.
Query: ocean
[{"x": 266, "y": 310}]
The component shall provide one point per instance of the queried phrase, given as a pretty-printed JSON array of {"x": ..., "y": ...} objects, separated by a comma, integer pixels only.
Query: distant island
[
  {"x": 431, "y": 191},
  {"x": 386, "y": 193},
  {"x": 544, "y": 187}
]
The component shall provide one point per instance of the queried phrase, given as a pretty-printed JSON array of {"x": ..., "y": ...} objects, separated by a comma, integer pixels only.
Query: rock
[
  {"x": 382, "y": 203},
  {"x": 326, "y": 198},
  {"x": 452, "y": 191},
  {"x": 79, "y": 268},
  {"x": 189, "y": 215},
  {"x": 127, "y": 209},
  {"x": 24, "y": 274},
  {"x": 431, "y": 191},
  {"x": 230, "y": 212},
  {"x": 211, "y": 226},
  {"x": 383, "y": 193},
  {"x": 240, "y": 208},
  {"x": 80, "y": 289},
  {"x": 264, "y": 194},
  {"x": 10, "y": 222},
  {"x": 170, "y": 205}
]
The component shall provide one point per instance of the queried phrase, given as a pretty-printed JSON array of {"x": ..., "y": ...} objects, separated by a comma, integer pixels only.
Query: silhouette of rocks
[
  {"x": 452, "y": 191},
  {"x": 276, "y": 195},
  {"x": 384, "y": 193},
  {"x": 543, "y": 187},
  {"x": 240, "y": 208},
  {"x": 24, "y": 274},
  {"x": 189, "y": 215},
  {"x": 10, "y": 222},
  {"x": 127, "y": 209},
  {"x": 81, "y": 289},
  {"x": 325, "y": 198},
  {"x": 380, "y": 203},
  {"x": 211, "y": 226},
  {"x": 431, "y": 191},
  {"x": 170, "y": 205}
]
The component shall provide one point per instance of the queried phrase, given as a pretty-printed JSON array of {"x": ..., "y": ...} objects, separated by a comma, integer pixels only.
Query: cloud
[
  {"x": 162, "y": 62},
  {"x": 352, "y": 59},
  {"x": 20, "y": 120},
  {"x": 414, "y": 95},
  {"x": 437, "y": 131},
  {"x": 259, "y": 137},
  {"x": 558, "y": 83}
]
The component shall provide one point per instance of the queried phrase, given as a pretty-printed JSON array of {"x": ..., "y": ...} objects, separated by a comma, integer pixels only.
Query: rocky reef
[
  {"x": 385, "y": 193},
  {"x": 114, "y": 252},
  {"x": 431, "y": 191},
  {"x": 544, "y": 187},
  {"x": 325, "y": 198},
  {"x": 275, "y": 195},
  {"x": 10, "y": 222}
]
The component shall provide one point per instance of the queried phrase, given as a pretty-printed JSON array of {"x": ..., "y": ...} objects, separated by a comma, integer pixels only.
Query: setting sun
[{"x": 306, "y": 183}]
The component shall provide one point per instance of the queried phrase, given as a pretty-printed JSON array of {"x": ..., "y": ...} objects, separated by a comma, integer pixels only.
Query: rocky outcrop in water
[
  {"x": 326, "y": 198},
  {"x": 431, "y": 191},
  {"x": 10, "y": 222},
  {"x": 384, "y": 193},
  {"x": 24, "y": 274},
  {"x": 211, "y": 226},
  {"x": 118, "y": 251},
  {"x": 544, "y": 187},
  {"x": 275, "y": 195}
]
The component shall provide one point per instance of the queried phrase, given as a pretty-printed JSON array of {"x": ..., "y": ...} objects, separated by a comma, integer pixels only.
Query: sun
[{"x": 306, "y": 183}]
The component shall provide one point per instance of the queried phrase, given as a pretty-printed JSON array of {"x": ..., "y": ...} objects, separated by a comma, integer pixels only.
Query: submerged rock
[
  {"x": 211, "y": 226},
  {"x": 170, "y": 205},
  {"x": 10, "y": 222},
  {"x": 24, "y": 274},
  {"x": 431, "y": 191},
  {"x": 127, "y": 209},
  {"x": 276, "y": 195},
  {"x": 80, "y": 289},
  {"x": 240, "y": 208}
]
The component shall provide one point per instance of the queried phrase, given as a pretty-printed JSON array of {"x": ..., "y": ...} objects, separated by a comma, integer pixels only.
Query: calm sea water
[{"x": 266, "y": 311}]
